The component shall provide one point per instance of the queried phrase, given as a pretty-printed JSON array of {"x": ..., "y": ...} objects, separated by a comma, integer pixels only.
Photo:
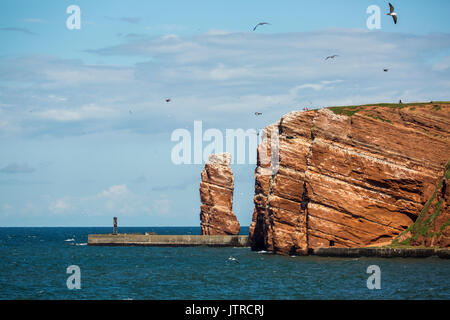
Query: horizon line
[{"x": 105, "y": 227}]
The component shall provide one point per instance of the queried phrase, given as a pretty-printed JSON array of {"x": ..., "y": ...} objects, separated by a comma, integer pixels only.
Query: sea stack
[{"x": 216, "y": 195}]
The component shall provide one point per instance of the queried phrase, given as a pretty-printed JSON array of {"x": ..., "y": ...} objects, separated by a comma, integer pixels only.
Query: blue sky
[{"x": 84, "y": 126}]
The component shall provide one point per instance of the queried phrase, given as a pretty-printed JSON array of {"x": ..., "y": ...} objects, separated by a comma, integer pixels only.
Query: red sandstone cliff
[
  {"x": 349, "y": 176},
  {"x": 432, "y": 227},
  {"x": 216, "y": 195}
]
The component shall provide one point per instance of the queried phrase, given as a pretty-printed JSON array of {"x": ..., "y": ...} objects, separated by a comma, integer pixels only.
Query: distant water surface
[{"x": 33, "y": 264}]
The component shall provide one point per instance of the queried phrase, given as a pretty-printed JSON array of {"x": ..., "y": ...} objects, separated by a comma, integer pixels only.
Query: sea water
[{"x": 34, "y": 262}]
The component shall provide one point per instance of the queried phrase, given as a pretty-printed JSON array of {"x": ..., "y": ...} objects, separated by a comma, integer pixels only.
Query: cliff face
[
  {"x": 348, "y": 176},
  {"x": 432, "y": 227},
  {"x": 216, "y": 195}
]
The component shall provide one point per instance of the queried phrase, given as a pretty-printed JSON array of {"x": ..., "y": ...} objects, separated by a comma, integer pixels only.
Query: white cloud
[
  {"x": 169, "y": 36},
  {"x": 313, "y": 86},
  {"x": 215, "y": 32},
  {"x": 219, "y": 77},
  {"x": 117, "y": 199},
  {"x": 59, "y": 205},
  {"x": 6, "y": 207},
  {"x": 56, "y": 98},
  {"x": 221, "y": 72},
  {"x": 85, "y": 75},
  {"x": 83, "y": 113},
  {"x": 442, "y": 64},
  {"x": 114, "y": 191},
  {"x": 35, "y": 20},
  {"x": 166, "y": 28},
  {"x": 14, "y": 168}
]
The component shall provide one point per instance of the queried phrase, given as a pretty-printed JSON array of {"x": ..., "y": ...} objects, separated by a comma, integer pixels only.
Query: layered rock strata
[
  {"x": 432, "y": 227},
  {"x": 348, "y": 176},
  {"x": 216, "y": 195}
]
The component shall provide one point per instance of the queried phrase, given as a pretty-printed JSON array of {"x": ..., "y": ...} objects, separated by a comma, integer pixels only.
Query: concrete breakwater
[
  {"x": 167, "y": 240},
  {"x": 243, "y": 241}
]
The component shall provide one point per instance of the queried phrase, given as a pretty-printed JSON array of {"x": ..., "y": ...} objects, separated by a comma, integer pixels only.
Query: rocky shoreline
[
  {"x": 243, "y": 241},
  {"x": 382, "y": 252}
]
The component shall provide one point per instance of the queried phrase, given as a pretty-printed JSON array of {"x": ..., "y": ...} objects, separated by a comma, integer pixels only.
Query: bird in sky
[
  {"x": 258, "y": 113},
  {"x": 233, "y": 259},
  {"x": 385, "y": 70},
  {"x": 168, "y": 100},
  {"x": 332, "y": 57},
  {"x": 260, "y": 24},
  {"x": 392, "y": 13}
]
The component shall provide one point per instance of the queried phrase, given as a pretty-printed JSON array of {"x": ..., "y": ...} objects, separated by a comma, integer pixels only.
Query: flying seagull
[
  {"x": 392, "y": 13},
  {"x": 168, "y": 100},
  {"x": 385, "y": 70},
  {"x": 233, "y": 259},
  {"x": 258, "y": 113},
  {"x": 260, "y": 24},
  {"x": 332, "y": 57}
]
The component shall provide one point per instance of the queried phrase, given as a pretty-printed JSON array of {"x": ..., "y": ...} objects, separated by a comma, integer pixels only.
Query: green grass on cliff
[
  {"x": 421, "y": 227},
  {"x": 376, "y": 117},
  {"x": 351, "y": 110},
  {"x": 348, "y": 111}
]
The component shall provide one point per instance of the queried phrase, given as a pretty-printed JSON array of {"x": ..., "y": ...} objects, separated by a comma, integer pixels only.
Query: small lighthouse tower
[{"x": 115, "y": 225}]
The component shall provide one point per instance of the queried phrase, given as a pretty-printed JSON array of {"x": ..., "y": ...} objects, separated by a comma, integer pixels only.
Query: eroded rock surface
[
  {"x": 432, "y": 227},
  {"x": 348, "y": 177},
  {"x": 216, "y": 195}
]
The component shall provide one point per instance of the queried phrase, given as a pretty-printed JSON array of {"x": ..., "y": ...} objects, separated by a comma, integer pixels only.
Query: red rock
[
  {"x": 432, "y": 228},
  {"x": 216, "y": 195},
  {"x": 352, "y": 180}
]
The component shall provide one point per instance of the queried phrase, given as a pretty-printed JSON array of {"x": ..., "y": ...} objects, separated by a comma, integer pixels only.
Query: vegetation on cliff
[
  {"x": 427, "y": 227},
  {"x": 351, "y": 110}
]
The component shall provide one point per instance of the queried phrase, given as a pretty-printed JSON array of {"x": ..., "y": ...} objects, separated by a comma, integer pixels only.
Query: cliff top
[
  {"x": 220, "y": 159},
  {"x": 366, "y": 108}
]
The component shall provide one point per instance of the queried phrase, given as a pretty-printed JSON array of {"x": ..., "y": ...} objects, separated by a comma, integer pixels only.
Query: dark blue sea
[{"x": 33, "y": 263}]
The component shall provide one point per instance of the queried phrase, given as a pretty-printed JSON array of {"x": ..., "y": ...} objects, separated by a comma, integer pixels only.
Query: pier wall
[
  {"x": 243, "y": 241},
  {"x": 168, "y": 240}
]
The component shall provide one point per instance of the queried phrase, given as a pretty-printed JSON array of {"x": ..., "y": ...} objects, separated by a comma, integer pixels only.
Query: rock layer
[
  {"x": 432, "y": 227},
  {"x": 216, "y": 195},
  {"x": 348, "y": 176}
]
